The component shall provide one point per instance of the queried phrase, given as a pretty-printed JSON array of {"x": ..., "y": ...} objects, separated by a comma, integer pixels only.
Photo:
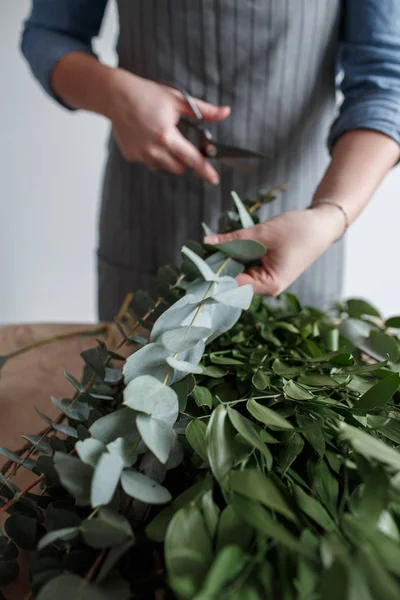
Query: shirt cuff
[
  {"x": 43, "y": 49},
  {"x": 379, "y": 111}
]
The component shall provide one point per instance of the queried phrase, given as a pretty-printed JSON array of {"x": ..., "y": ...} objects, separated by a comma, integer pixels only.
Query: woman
[{"x": 272, "y": 64}]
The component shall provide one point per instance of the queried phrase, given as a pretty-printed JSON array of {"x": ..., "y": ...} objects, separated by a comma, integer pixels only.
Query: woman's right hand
[{"x": 145, "y": 115}]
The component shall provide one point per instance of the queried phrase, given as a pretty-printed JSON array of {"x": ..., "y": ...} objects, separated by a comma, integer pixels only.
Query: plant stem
[
  {"x": 83, "y": 390},
  {"x": 93, "y": 513},
  {"x": 95, "y": 566},
  {"x": 137, "y": 325},
  {"x": 20, "y": 495},
  {"x": 56, "y": 338}
]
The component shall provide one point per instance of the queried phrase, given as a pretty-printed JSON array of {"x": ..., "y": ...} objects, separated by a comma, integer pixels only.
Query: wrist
[{"x": 331, "y": 217}]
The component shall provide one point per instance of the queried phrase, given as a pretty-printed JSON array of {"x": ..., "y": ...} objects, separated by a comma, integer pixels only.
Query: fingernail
[
  {"x": 211, "y": 239},
  {"x": 215, "y": 179}
]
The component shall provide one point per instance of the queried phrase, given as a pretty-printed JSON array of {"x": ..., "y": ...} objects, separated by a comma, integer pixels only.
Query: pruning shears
[{"x": 208, "y": 146}]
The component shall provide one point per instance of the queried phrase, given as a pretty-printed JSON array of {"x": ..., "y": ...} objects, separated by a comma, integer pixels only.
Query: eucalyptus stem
[
  {"x": 20, "y": 495},
  {"x": 56, "y": 338},
  {"x": 95, "y": 566}
]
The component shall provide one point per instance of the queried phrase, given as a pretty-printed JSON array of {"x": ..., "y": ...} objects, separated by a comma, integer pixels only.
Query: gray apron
[{"x": 273, "y": 62}]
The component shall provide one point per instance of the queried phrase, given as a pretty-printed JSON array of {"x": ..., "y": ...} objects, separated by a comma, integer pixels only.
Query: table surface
[{"x": 28, "y": 380}]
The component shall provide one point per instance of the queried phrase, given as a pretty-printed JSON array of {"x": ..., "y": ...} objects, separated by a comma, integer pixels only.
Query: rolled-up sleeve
[
  {"x": 56, "y": 27},
  {"x": 369, "y": 57}
]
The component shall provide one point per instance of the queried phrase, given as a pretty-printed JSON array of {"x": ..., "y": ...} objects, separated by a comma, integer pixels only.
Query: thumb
[
  {"x": 211, "y": 112},
  {"x": 250, "y": 233}
]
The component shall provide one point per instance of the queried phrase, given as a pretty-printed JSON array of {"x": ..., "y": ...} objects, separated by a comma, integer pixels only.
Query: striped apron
[{"x": 273, "y": 62}]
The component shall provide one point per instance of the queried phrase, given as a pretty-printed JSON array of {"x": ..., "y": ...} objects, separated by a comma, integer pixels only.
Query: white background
[{"x": 51, "y": 165}]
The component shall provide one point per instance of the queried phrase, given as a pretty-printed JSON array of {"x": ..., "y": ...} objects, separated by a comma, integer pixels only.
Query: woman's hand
[
  {"x": 293, "y": 240},
  {"x": 145, "y": 115}
]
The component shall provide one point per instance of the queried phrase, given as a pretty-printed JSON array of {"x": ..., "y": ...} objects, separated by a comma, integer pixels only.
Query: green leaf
[
  {"x": 108, "y": 529},
  {"x": 220, "y": 443},
  {"x": 90, "y": 450},
  {"x": 125, "y": 450},
  {"x": 244, "y": 250},
  {"x": 374, "y": 496},
  {"x": 93, "y": 358},
  {"x": 318, "y": 381},
  {"x": 105, "y": 479},
  {"x": 285, "y": 370},
  {"x": 227, "y": 565},
  {"x": 313, "y": 509},
  {"x": 222, "y": 359},
  {"x": 210, "y": 512},
  {"x": 202, "y": 396},
  {"x": 239, "y": 297},
  {"x": 294, "y": 391},
  {"x": 188, "y": 550},
  {"x": 75, "y": 476},
  {"x": 40, "y": 443},
  {"x": 381, "y": 344},
  {"x": 116, "y": 424},
  {"x": 44, "y": 417},
  {"x": 157, "y": 528},
  {"x": 183, "y": 389},
  {"x": 233, "y": 530},
  {"x": 214, "y": 372},
  {"x": 357, "y": 308},
  {"x": 230, "y": 268},
  {"x": 3, "y": 360},
  {"x": 22, "y": 530},
  {"x": 256, "y": 486},
  {"x": 290, "y": 450},
  {"x": 326, "y": 485},
  {"x": 380, "y": 394},
  {"x": 369, "y": 446},
  {"x": 158, "y": 436},
  {"x": 78, "y": 386},
  {"x": 205, "y": 271},
  {"x": 183, "y": 366},
  {"x": 184, "y": 338},
  {"x": 147, "y": 394},
  {"x": 256, "y": 516},
  {"x": 66, "y": 535},
  {"x": 206, "y": 229},
  {"x": 196, "y": 436},
  {"x": 143, "y": 488},
  {"x": 270, "y": 418},
  {"x": 66, "y": 430},
  {"x": 29, "y": 464},
  {"x": 68, "y": 587},
  {"x": 78, "y": 411},
  {"x": 244, "y": 215},
  {"x": 393, "y": 322},
  {"x": 250, "y": 434},
  {"x": 261, "y": 380}
]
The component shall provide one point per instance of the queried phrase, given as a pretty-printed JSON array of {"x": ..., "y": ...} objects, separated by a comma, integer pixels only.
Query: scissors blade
[{"x": 225, "y": 151}]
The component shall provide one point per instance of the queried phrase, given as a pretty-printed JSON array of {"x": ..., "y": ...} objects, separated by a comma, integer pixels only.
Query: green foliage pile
[{"x": 248, "y": 450}]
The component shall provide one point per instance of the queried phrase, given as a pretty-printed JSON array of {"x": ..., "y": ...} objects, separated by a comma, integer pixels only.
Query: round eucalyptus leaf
[
  {"x": 107, "y": 530},
  {"x": 105, "y": 479},
  {"x": 143, "y": 488},
  {"x": 7, "y": 548},
  {"x": 90, "y": 451},
  {"x": 245, "y": 250},
  {"x": 71, "y": 587},
  {"x": 147, "y": 394},
  {"x": 184, "y": 338},
  {"x": 125, "y": 450},
  {"x": 183, "y": 366},
  {"x": 149, "y": 361},
  {"x": 66, "y": 535},
  {"x": 22, "y": 530},
  {"x": 75, "y": 476},
  {"x": 114, "y": 425},
  {"x": 158, "y": 436}
]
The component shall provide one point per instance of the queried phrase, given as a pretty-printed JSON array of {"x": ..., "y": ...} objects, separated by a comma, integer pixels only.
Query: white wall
[{"x": 50, "y": 177}]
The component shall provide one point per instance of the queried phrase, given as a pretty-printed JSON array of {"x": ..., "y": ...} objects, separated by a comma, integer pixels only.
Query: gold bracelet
[{"x": 339, "y": 206}]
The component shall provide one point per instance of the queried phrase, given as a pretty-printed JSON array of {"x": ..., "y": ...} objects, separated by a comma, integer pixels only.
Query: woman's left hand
[{"x": 294, "y": 240}]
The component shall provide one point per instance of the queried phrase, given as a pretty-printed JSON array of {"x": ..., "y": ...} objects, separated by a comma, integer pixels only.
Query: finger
[
  {"x": 211, "y": 112},
  {"x": 187, "y": 154},
  {"x": 263, "y": 282},
  {"x": 165, "y": 161},
  {"x": 250, "y": 233}
]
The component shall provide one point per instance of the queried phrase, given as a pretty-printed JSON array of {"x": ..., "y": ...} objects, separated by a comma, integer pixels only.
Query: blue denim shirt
[{"x": 368, "y": 56}]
